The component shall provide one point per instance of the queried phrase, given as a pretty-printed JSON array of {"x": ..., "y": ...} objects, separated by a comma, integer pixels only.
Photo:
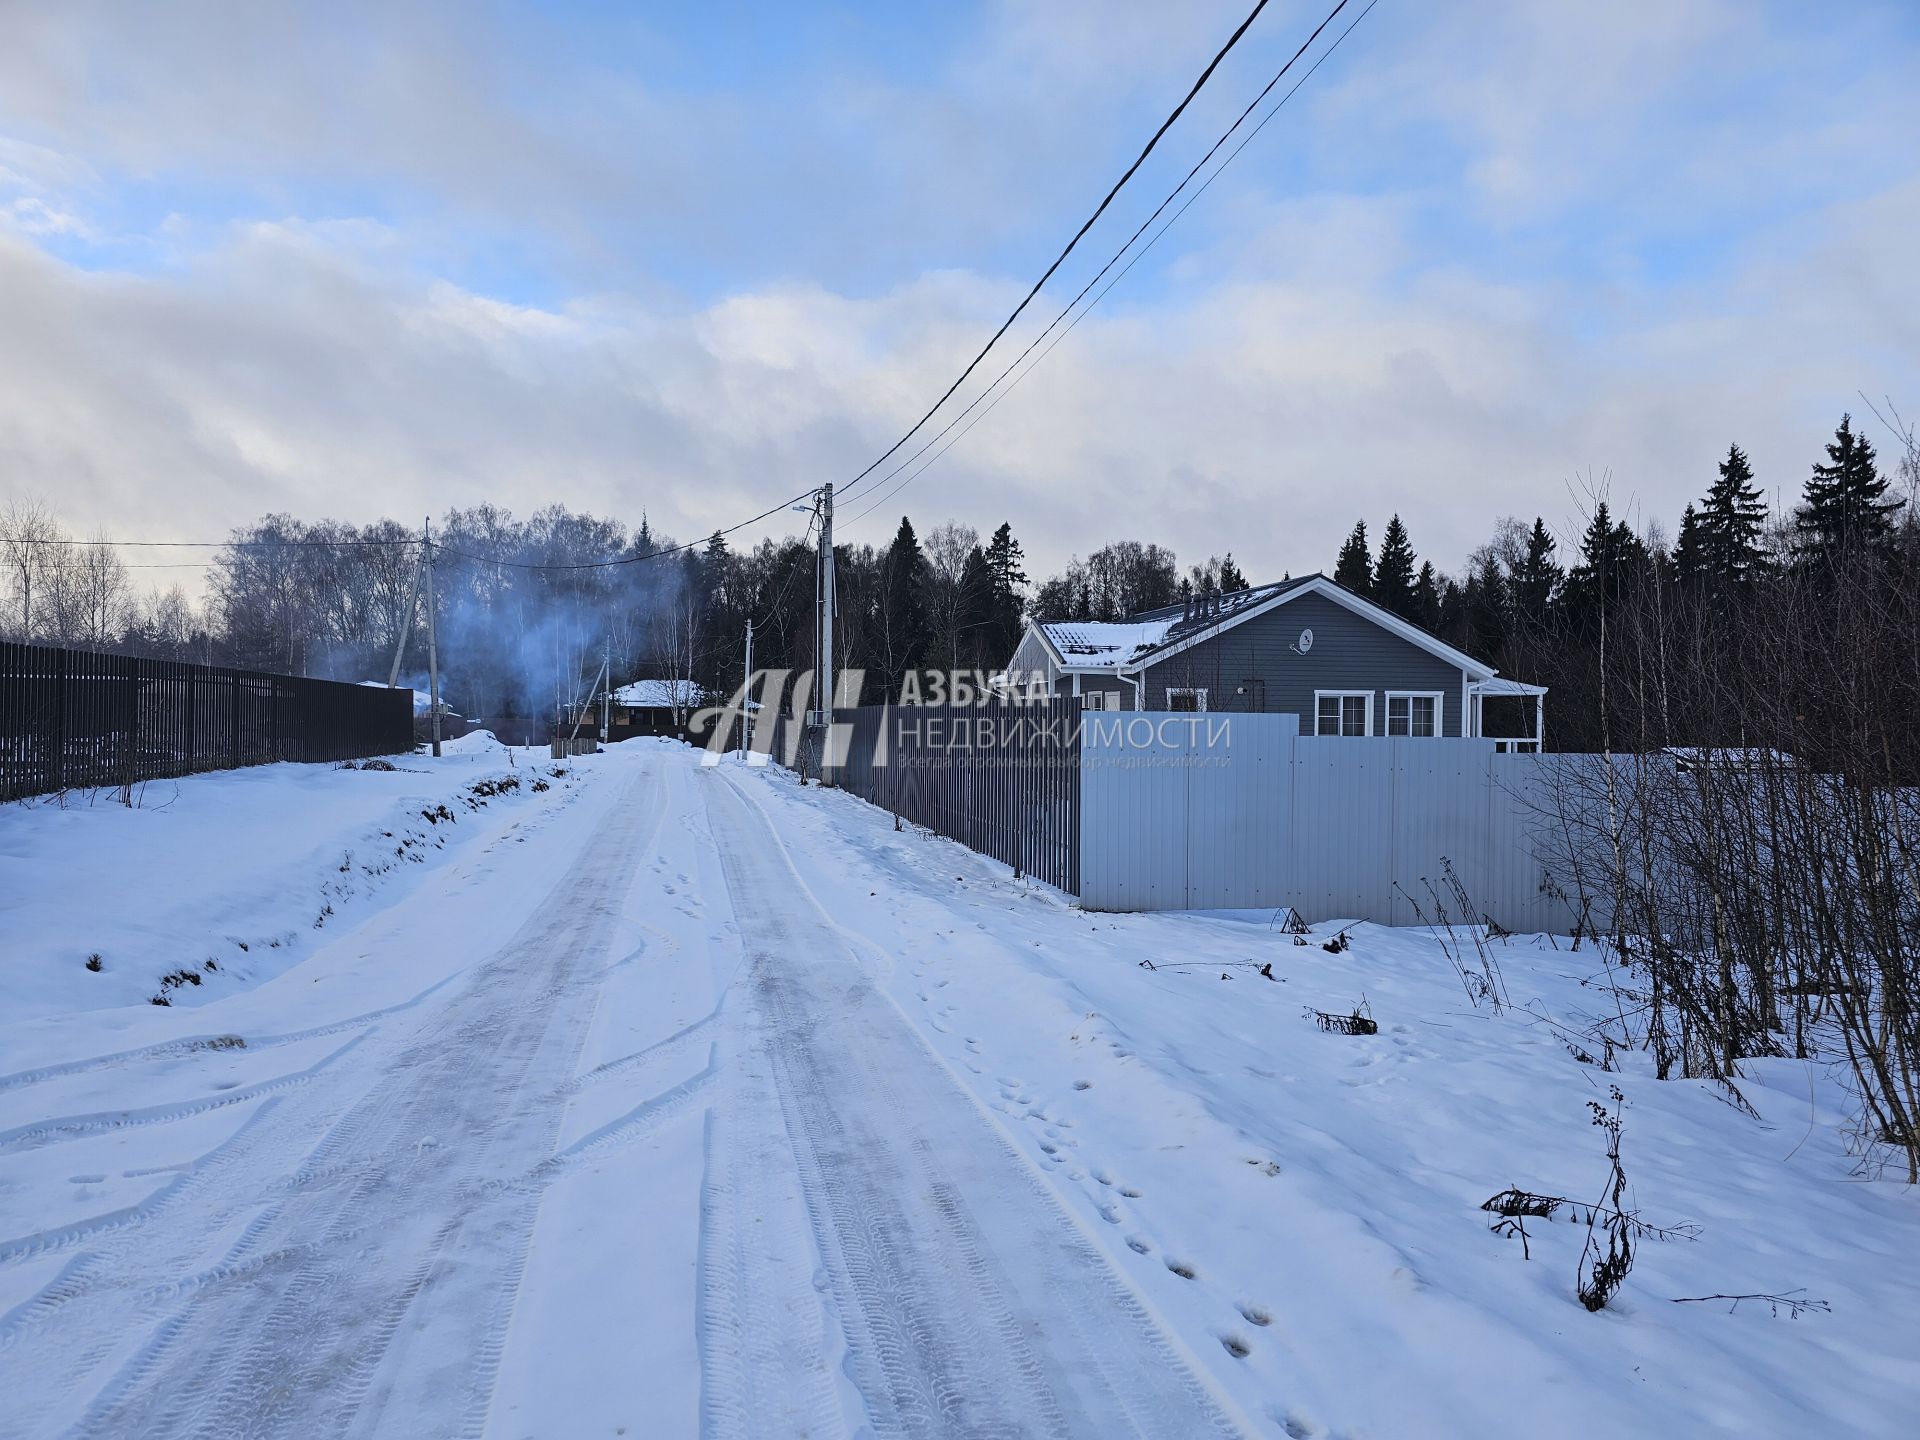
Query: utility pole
[
  {"x": 746, "y": 697},
  {"x": 433, "y": 642},
  {"x": 406, "y": 629},
  {"x": 823, "y": 679},
  {"x": 606, "y": 690}
]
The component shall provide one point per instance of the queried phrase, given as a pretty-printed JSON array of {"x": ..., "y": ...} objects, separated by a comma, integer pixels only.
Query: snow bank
[
  {"x": 216, "y": 881},
  {"x": 1304, "y": 1208}
]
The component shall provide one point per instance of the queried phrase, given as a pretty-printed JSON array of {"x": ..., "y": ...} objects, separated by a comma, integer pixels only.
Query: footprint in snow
[
  {"x": 1138, "y": 1245},
  {"x": 1183, "y": 1269},
  {"x": 1256, "y": 1315}
]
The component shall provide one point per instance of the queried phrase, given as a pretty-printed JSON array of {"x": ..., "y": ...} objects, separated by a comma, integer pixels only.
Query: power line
[
  {"x": 1159, "y": 209},
  {"x": 207, "y": 544},
  {"x": 1099, "y": 210},
  {"x": 1154, "y": 240}
]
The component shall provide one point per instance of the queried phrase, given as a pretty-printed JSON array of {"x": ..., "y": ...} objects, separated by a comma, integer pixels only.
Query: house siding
[
  {"x": 1255, "y": 665},
  {"x": 1030, "y": 656}
]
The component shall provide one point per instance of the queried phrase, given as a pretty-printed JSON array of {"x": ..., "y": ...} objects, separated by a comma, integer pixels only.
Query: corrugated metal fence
[
  {"x": 1184, "y": 811},
  {"x": 71, "y": 719},
  {"x": 1240, "y": 811},
  {"x": 1001, "y": 779}
]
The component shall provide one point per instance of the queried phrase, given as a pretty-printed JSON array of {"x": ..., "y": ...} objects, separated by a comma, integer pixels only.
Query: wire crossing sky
[{"x": 364, "y": 260}]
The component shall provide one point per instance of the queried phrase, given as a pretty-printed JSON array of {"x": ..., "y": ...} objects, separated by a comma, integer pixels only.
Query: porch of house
[{"x": 1516, "y": 725}]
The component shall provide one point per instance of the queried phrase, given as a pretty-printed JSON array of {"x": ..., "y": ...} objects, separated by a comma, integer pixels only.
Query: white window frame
[
  {"x": 1199, "y": 694},
  {"x": 1439, "y": 698},
  {"x": 1320, "y": 695},
  {"x": 1099, "y": 699}
]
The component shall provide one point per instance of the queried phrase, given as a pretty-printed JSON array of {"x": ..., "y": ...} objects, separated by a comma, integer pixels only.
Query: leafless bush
[
  {"x": 1605, "y": 1262},
  {"x": 1358, "y": 1021},
  {"x": 1748, "y": 842},
  {"x": 1480, "y": 975}
]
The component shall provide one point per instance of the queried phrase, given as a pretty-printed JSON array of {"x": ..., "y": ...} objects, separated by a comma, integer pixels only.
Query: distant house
[
  {"x": 1307, "y": 646},
  {"x": 642, "y": 707}
]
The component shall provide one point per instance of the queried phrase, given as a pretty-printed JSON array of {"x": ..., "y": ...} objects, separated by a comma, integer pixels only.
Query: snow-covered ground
[{"x": 671, "y": 1101}]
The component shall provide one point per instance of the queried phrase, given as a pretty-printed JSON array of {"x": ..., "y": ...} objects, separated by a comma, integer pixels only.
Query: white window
[
  {"x": 1413, "y": 712},
  {"x": 1186, "y": 699},
  {"x": 1100, "y": 700},
  {"x": 1343, "y": 712}
]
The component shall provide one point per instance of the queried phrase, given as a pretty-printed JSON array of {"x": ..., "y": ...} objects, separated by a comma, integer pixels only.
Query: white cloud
[{"x": 1490, "y": 248}]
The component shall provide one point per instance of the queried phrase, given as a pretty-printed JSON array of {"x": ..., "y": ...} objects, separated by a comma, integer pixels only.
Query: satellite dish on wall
[{"x": 1305, "y": 642}]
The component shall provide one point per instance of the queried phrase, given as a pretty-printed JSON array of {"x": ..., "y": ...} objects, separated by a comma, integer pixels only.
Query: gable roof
[
  {"x": 1111, "y": 645},
  {"x": 1131, "y": 645}
]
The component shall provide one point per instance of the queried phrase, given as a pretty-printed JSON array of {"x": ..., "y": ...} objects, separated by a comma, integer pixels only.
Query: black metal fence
[
  {"x": 1001, "y": 778},
  {"x": 70, "y": 719}
]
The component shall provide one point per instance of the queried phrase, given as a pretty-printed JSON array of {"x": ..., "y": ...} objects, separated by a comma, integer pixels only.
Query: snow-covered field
[{"x": 670, "y": 1101}]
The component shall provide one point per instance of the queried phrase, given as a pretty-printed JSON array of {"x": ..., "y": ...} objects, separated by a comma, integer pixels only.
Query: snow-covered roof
[
  {"x": 1106, "y": 644},
  {"x": 1499, "y": 685},
  {"x": 659, "y": 695},
  {"x": 1110, "y": 644}
]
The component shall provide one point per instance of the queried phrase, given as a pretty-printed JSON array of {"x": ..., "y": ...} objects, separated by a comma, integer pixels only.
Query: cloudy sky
[{"x": 357, "y": 260}]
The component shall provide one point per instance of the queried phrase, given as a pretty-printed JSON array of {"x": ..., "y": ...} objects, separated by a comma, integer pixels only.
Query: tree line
[
  {"x": 1709, "y": 607},
  {"x": 525, "y": 617}
]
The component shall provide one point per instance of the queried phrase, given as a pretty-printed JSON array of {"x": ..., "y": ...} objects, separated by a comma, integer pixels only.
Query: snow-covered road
[
  {"x": 347, "y": 1258},
  {"x": 670, "y": 1101}
]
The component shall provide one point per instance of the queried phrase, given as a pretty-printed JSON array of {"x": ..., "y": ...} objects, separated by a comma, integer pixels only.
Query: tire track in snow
[
  {"x": 372, "y": 1286},
  {"x": 78, "y": 1127},
  {"x": 199, "y": 1044},
  {"x": 972, "y": 1302}
]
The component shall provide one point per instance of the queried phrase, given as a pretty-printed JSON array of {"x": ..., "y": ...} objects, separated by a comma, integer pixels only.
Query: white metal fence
[{"x": 1237, "y": 811}]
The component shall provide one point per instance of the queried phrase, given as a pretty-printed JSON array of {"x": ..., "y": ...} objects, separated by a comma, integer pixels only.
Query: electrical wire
[
  {"x": 1159, "y": 209},
  {"x": 972, "y": 365},
  {"x": 889, "y": 494},
  {"x": 1099, "y": 210}
]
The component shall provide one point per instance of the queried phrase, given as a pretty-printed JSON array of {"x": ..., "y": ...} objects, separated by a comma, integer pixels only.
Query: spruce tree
[
  {"x": 1393, "y": 573},
  {"x": 981, "y": 645},
  {"x": 1354, "y": 568},
  {"x": 1690, "y": 564},
  {"x": 1730, "y": 523},
  {"x": 903, "y": 607},
  {"x": 1230, "y": 577},
  {"x": 1537, "y": 576},
  {"x": 1484, "y": 602},
  {"x": 1611, "y": 559},
  {"x": 1844, "y": 506},
  {"x": 1426, "y": 597},
  {"x": 1004, "y": 560}
]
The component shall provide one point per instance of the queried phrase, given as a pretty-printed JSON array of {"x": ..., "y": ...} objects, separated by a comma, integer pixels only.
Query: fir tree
[
  {"x": 1354, "y": 568},
  {"x": 1731, "y": 520},
  {"x": 1690, "y": 564},
  {"x": 1484, "y": 603},
  {"x": 1230, "y": 577},
  {"x": 1393, "y": 573},
  {"x": 981, "y": 640},
  {"x": 1426, "y": 597},
  {"x": 1843, "y": 507},
  {"x": 1537, "y": 577},
  {"x": 1611, "y": 559},
  {"x": 903, "y": 607},
  {"x": 1004, "y": 560}
]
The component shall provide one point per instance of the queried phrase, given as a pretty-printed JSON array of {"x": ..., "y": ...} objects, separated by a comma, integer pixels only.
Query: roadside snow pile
[
  {"x": 1364, "y": 1195},
  {"x": 217, "y": 881}
]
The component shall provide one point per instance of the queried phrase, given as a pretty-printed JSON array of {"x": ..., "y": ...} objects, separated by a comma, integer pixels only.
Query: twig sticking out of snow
[{"x": 1774, "y": 1303}]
